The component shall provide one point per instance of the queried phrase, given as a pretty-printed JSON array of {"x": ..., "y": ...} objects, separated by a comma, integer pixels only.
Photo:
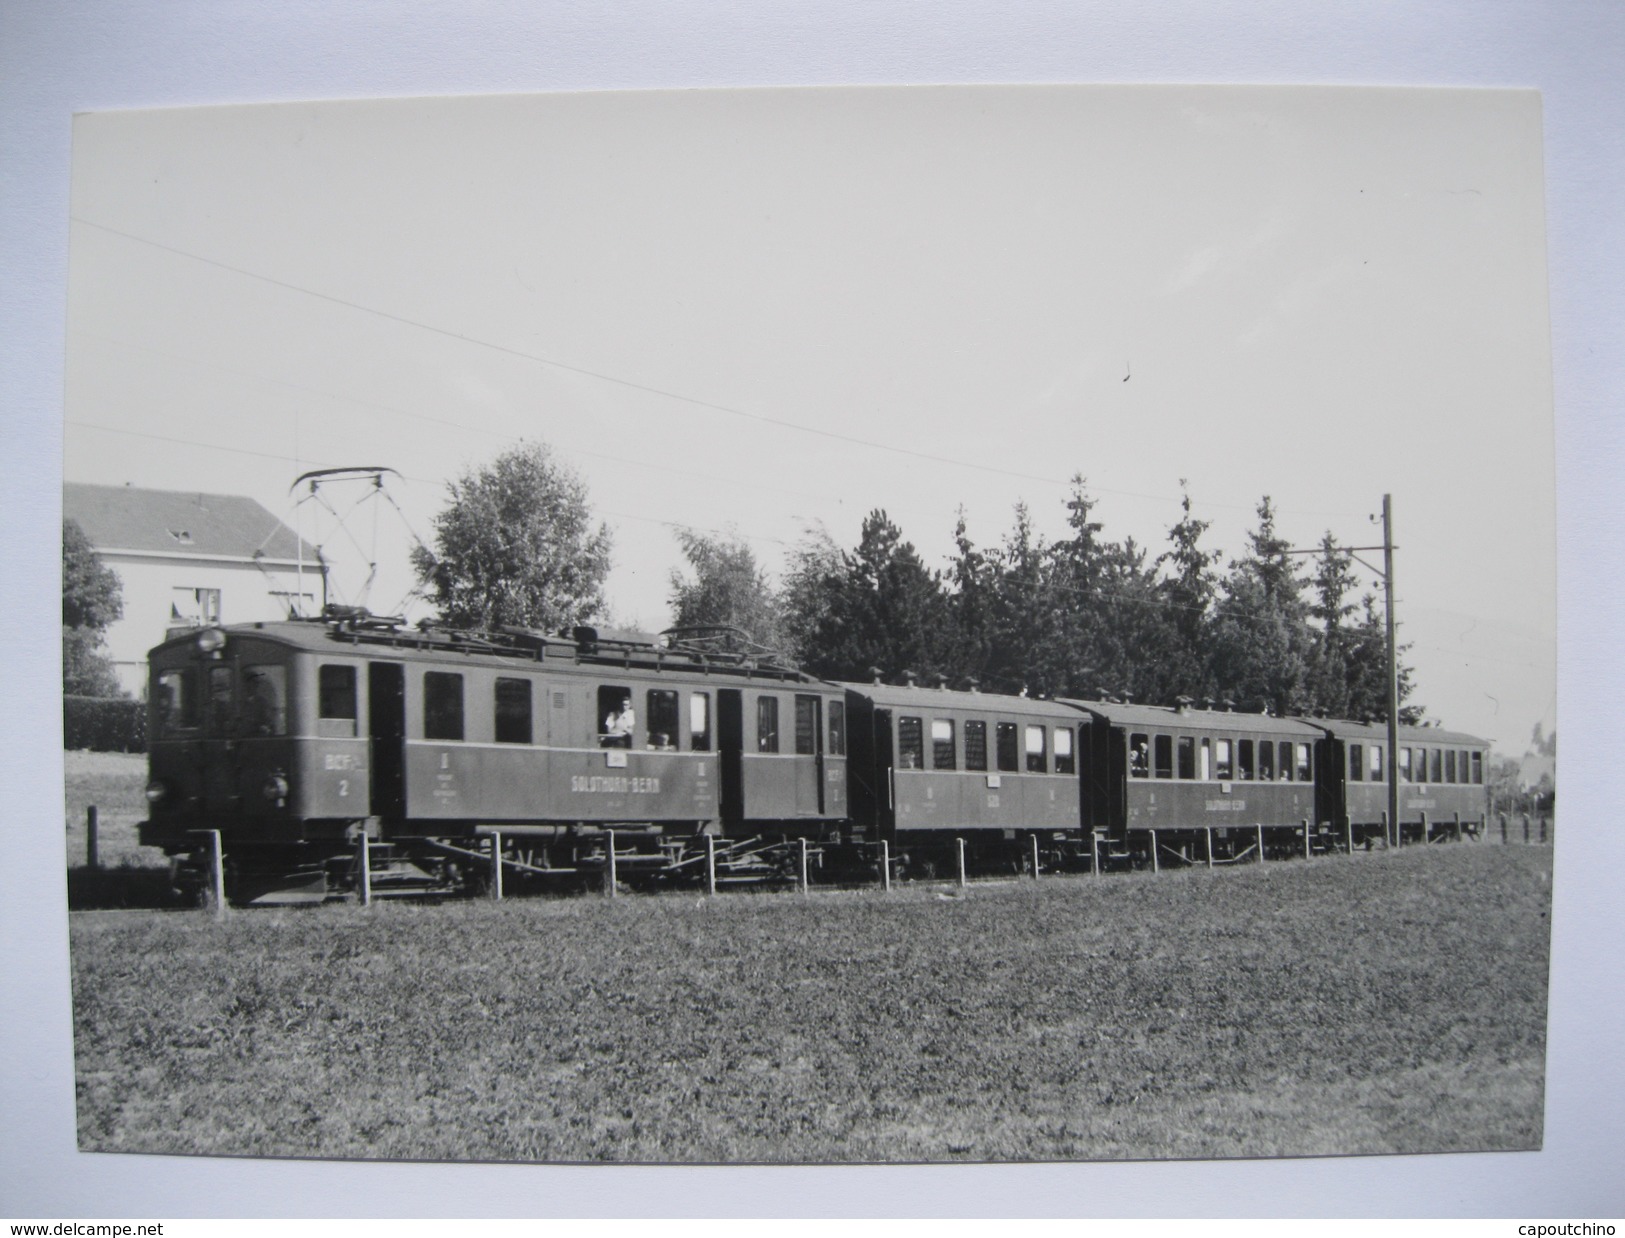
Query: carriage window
[
  {"x": 663, "y": 718},
  {"x": 1207, "y": 759},
  {"x": 512, "y": 718},
  {"x": 699, "y": 722},
  {"x": 1305, "y": 770},
  {"x": 1163, "y": 755},
  {"x": 1037, "y": 750},
  {"x": 837, "y": 728},
  {"x": 976, "y": 745},
  {"x": 1244, "y": 760},
  {"x": 1375, "y": 768},
  {"x": 942, "y": 743},
  {"x": 1139, "y": 755},
  {"x": 1356, "y": 763},
  {"x": 265, "y": 699},
  {"x": 1436, "y": 766},
  {"x": 1266, "y": 761},
  {"x": 1004, "y": 737},
  {"x": 1284, "y": 769},
  {"x": 1187, "y": 757},
  {"x": 806, "y": 726},
  {"x": 767, "y": 724},
  {"x": 442, "y": 705},
  {"x": 617, "y": 720},
  {"x": 335, "y": 700},
  {"x": 910, "y": 744},
  {"x": 177, "y": 700},
  {"x": 1405, "y": 765},
  {"x": 1478, "y": 769},
  {"x": 1222, "y": 769},
  {"x": 1063, "y": 751},
  {"x": 1450, "y": 765}
]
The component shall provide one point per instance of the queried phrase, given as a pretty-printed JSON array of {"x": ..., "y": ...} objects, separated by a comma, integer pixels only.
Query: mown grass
[
  {"x": 127, "y": 874},
  {"x": 1381, "y": 1004}
]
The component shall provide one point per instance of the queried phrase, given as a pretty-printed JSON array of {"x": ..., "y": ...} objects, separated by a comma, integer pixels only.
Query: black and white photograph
[{"x": 972, "y": 626}]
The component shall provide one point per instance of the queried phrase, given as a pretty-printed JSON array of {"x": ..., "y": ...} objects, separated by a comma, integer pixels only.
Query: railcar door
[
  {"x": 730, "y": 741},
  {"x": 809, "y": 762},
  {"x": 386, "y": 711}
]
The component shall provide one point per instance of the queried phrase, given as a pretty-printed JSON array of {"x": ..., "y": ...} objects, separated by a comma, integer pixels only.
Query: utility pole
[{"x": 1393, "y": 668}]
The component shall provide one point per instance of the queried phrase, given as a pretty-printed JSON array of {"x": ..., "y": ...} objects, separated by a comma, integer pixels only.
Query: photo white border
[{"x": 58, "y": 59}]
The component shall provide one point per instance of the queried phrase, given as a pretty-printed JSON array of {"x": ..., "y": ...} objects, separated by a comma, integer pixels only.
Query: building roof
[{"x": 179, "y": 522}]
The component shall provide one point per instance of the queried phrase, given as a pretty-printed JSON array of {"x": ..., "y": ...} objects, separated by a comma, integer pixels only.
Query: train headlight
[
  {"x": 210, "y": 641},
  {"x": 275, "y": 788},
  {"x": 157, "y": 791}
]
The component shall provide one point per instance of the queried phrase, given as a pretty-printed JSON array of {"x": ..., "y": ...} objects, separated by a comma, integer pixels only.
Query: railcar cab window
[
  {"x": 942, "y": 743},
  {"x": 1139, "y": 755},
  {"x": 1162, "y": 756},
  {"x": 1064, "y": 762},
  {"x": 442, "y": 705},
  {"x": 512, "y": 719},
  {"x": 1004, "y": 739},
  {"x": 1223, "y": 769},
  {"x": 976, "y": 745},
  {"x": 699, "y": 722},
  {"x": 176, "y": 696},
  {"x": 1244, "y": 760},
  {"x": 661, "y": 704},
  {"x": 1356, "y": 763},
  {"x": 221, "y": 707},
  {"x": 1187, "y": 757},
  {"x": 767, "y": 724},
  {"x": 910, "y": 744},
  {"x": 837, "y": 728},
  {"x": 265, "y": 699},
  {"x": 1266, "y": 761},
  {"x": 1305, "y": 769},
  {"x": 335, "y": 701},
  {"x": 618, "y": 719},
  {"x": 1037, "y": 750}
]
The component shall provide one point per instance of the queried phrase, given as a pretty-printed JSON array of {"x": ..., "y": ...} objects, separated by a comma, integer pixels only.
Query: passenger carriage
[{"x": 1441, "y": 780}]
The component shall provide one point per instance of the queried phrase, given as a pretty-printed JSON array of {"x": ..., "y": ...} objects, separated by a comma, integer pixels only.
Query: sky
[{"x": 769, "y": 310}]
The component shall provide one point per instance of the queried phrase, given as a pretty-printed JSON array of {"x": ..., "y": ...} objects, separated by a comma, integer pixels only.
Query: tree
[
  {"x": 728, "y": 588},
  {"x": 516, "y": 545},
  {"x": 91, "y": 603},
  {"x": 1189, "y": 590},
  {"x": 1261, "y": 637}
]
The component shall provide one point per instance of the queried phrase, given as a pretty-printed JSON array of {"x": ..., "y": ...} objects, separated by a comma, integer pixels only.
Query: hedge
[{"x": 104, "y": 724}]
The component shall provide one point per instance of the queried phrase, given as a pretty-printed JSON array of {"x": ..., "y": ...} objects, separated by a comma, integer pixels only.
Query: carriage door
[
  {"x": 386, "y": 711},
  {"x": 809, "y": 756}
]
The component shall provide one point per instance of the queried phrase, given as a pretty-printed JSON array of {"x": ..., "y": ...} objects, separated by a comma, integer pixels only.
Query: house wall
[{"x": 155, "y": 586}]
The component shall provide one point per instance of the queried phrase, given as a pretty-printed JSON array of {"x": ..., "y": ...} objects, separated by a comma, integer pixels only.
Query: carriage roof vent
[
  {"x": 1182, "y": 704},
  {"x": 1229, "y": 705},
  {"x": 909, "y": 678},
  {"x": 942, "y": 681},
  {"x": 877, "y": 675},
  {"x": 973, "y": 685}
]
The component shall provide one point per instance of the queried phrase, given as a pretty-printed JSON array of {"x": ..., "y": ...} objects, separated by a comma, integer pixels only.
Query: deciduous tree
[{"x": 91, "y": 602}]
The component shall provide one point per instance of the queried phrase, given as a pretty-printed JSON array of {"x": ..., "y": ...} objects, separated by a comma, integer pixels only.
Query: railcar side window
[
  {"x": 1405, "y": 765},
  {"x": 1375, "y": 767},
  {"x": 975, "y": 745},
  {"x": 177, "y": 700},
  {"x": 1356, "y": 763},
  {"x": 616, "y": 718},
  {"x": 1436, "y": 766},
  {"x": 806, "y": 726},
  {"x": 1064, "y": 763},
  {"x": 1037, "y": 750},
  {"x": 837, "y": 728},
  {"x": 1223, "y": 770},
  {"x": 942, "y": 743},
  {"x": 1163, "y": 756},
  {"x": 661, "y": 704},
  {"x": 1244, "y": 760},
  {"x": 910, "y": 744},
  {"x": 1450, "y": 765},
  {"x": 1478, "y": 769},
  {"x": 1139, "y": 755},
  {"x": 442, "y": 705},
  {"x": 699, "y": 722},
  {"x": 265, "y": 700},
  {"x": 1207, "y": 760},
  {"x": 767, "y": 724},
  {"x": 511, "y": 721},
  {"x": 1005, "y": 739},
  {"x": 1284, "y": 770},
  {"x": 335, "y": 701},
  {"x": 1305, "y": 770},
  {"x": 1266, "y": 761},
  {"x": 1187, "y": 757}
]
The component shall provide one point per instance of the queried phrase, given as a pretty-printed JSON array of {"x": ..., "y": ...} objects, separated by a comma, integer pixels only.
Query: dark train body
[{"x": 566, "y": 758}]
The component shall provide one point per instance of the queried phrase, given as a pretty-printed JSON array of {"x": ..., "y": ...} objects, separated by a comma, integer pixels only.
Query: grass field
[
  {"x": 1388, "y": 1003},
  {"x": 129, "y": 875}
]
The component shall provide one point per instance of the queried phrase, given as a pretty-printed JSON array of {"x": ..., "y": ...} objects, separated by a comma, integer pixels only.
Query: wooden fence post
[
  {"x": 885, "y": 865},
  {"x": 1425, "y": 834},
  {"x": 804, "y": 890},
  {"x": 609, "y": 868},
  {"x": 1094, "y": 853},
  {"x": 1260, "y": 844},
  {"x": 496, "y": 865},
  {"x": 1035, "y": 857},
  {"x": 960, "y": 847},
  {"x": 1348, "y": 832},
  {"x": 1306, "y": 848},
  {"x": 1155, "y": 865},
  {"x": 363, "y": 863},
  {"x": 1208, "y": 834},
  {"x": 711, "y": 864},
  {"x": 217, "y": 874},
  {"x": 92, "y": 829}
]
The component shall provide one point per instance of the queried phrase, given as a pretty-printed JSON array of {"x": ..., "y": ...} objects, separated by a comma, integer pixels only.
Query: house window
[
  {"x": 662, "y": 716},
  {"x": 1037, "y": 750},
  {"x": 910, "y": 744},
  {"x": 1064, "y": 763},
  {"x": 194, "y": 606},
  {"x": 699, "y": 722},
  {"x": 976, "y": 745},
  {"x": 1004, "y": 740},
  {"x": 767, "y": 724},
  {"x": 942, "y": 743},
  {"x": 512, "y": 715},
  {"x": 442, "y": 705}
]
